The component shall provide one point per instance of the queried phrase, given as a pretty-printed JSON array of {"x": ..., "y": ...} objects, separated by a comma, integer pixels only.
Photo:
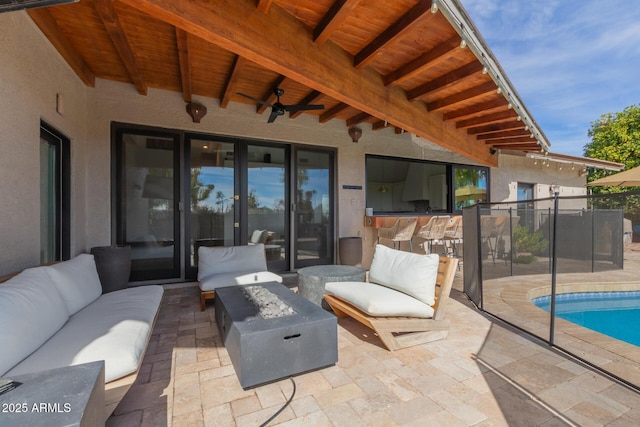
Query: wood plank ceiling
[{"x": 370, "y": 62}]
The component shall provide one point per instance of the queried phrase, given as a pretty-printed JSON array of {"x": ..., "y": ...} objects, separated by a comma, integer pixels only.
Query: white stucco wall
[
  {"x": 31, "y": 74},
  {"x": 514, "y": 169},
  {"x": 112, "y": 101}
]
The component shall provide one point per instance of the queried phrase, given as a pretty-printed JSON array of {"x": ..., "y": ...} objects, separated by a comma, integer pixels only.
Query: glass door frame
[
  {"x": 118, "y": 206},
  {"x": 182, "y": 175},
  {"x": 296, "y": 263},
  {"x": 190, "y": 271}
]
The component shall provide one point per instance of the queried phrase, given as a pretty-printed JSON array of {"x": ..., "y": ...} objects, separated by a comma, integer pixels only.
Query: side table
[
  {"x": 311, "y": 280},
  {"x": 69, "y": 396}
]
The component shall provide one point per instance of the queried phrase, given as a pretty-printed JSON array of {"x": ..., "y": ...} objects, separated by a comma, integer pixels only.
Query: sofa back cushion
[
  {"x": 216, "y": 260},
  {"x": 412, "y": 274},
  {"x": 77, "y": 281},
  {"x": 31, "y": 311}
]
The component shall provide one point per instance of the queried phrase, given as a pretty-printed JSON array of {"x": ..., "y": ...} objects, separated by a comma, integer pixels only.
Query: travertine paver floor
[{"x": 483, "y": 374}]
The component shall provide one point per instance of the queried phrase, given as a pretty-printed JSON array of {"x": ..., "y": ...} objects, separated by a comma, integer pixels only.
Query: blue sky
[{"x": 570, "y": 60}]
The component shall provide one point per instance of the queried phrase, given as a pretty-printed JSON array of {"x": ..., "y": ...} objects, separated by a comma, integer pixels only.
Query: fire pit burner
[{"x": 269, "y": 305}]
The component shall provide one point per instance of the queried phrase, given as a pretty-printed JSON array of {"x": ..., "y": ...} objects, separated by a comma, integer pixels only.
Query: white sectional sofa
[{"x": 55, "y": 316}]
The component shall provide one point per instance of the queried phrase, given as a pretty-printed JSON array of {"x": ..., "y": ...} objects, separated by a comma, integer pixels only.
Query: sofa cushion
[
  {"x": 258, "y": 236},
  {"x": 115, "y": 328},
  {"x": 413, "y": 274},
  {"x": 216, "y": 260},
  {"x": 379, "y": 301},
  {"x": 77, "y": 281},
  {"x": 31, "y": 311},
  {"x": 240, "y": 278}
]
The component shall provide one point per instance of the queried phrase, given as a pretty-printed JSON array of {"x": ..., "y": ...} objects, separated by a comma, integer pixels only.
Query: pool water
[{"x": 616, "y": 314}]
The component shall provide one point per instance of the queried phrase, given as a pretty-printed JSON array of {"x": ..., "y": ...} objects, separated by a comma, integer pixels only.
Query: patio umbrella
[
  {"x": 630, "y": 178},
  {"x": 470, "y": 192}
]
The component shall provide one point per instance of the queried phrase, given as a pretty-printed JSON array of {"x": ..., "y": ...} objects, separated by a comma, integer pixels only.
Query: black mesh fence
[{"x": 566, "y": 271}]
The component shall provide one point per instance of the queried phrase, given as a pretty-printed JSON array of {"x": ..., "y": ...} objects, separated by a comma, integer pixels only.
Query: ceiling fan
[{"x": 278, "y": 109}]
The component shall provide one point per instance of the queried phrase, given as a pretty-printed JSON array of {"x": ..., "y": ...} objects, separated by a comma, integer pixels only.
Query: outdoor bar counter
[
  {"x": 373, "y": 222},
  {"x": 387, "y": 220}
]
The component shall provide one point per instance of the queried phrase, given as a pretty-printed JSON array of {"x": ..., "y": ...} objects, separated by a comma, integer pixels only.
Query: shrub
[{"x": 526, "y": 241}]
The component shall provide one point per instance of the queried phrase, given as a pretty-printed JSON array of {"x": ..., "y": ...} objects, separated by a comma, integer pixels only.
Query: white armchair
[{"x": 231, "y": 265}]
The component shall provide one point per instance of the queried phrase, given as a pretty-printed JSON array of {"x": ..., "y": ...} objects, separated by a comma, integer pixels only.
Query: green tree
[
  {"x": 199, "y": 190},
  {"x": 615, "y": 137}
]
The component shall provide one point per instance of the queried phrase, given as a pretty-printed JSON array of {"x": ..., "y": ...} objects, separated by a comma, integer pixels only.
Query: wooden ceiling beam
[
  {"x": 264, "y": 5},
  {"x": 49, "y": 27},
  {"x": 182, "y": 42},
  {"x": 281, "y": 43},
  {"x": 464, "y": 96},
  {"x": 333, "y": 19},
  {"x": 493, "y": 128},
  {"x": 428, "y": 59},
  {"x": 119, "y": 38},
  {"x": 404, "y": 24},
  {"x": 477, "y": 109},
  {"x": 501, "y": 116},
  {"x": 358, "y": 118},
  {"x": 333, "y": 112},
  {"x": 379, "y": 125},
  {"x": 232, "y": 81},
  {"x": 502, "y": 135},
  {"x": 312, "y": 98},
  {"x": 446, "y": 80}
]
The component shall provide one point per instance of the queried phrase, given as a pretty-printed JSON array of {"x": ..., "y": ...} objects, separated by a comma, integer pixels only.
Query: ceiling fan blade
[
  {"x": 259, "y": 101},
  {"x": 273, "y": 116},
  {"x": 303, "y": 107}
]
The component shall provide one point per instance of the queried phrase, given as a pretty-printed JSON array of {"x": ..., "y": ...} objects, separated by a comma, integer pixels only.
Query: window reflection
[
  {"x": 470, "y": 186},
  {"x": 413, "y": 186},
  {"x": 405, "y": 186}
]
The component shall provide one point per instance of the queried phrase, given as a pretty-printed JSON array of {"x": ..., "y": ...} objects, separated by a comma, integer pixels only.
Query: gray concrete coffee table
[{"x": 311, "y": 280}]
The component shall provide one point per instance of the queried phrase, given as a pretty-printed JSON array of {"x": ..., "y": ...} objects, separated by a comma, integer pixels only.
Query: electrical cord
[{"x": 293, "y": 393}]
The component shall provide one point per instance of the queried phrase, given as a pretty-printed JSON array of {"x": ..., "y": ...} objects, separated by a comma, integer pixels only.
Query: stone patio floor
[{"x": 483, "y": 374}]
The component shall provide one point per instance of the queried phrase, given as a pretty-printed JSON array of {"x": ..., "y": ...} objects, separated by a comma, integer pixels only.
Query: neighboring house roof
[{"x": 400, "y": 63}]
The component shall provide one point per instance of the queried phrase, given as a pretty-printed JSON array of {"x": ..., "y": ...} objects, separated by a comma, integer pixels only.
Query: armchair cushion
[
  {"x": 238, "y": 278},
  {"x": 231, "y": 259},
  {"x": 412, "y": 274},
  {"x": 379, "y": 301},
  {"x": 258, "y": 236}
]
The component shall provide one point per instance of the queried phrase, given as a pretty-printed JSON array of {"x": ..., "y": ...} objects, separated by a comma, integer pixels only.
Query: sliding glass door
[
  {"x": 267, "y": 202},
  {"x": 211, "y": 188},
  {"x": 176, "y": 192},
  {"x": 314, "y": 223},
  {"x": 147, "y": 211}
]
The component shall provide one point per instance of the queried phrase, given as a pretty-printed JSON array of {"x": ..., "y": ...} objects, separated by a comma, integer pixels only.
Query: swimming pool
[{"x": 616, "y": 314}]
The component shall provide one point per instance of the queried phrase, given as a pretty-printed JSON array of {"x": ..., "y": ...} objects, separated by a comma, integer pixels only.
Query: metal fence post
[{"x": 554, "y": 268}]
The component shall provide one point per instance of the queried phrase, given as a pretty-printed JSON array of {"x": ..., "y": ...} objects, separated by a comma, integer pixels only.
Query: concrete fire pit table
[{"x": 311, "y": 280}]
